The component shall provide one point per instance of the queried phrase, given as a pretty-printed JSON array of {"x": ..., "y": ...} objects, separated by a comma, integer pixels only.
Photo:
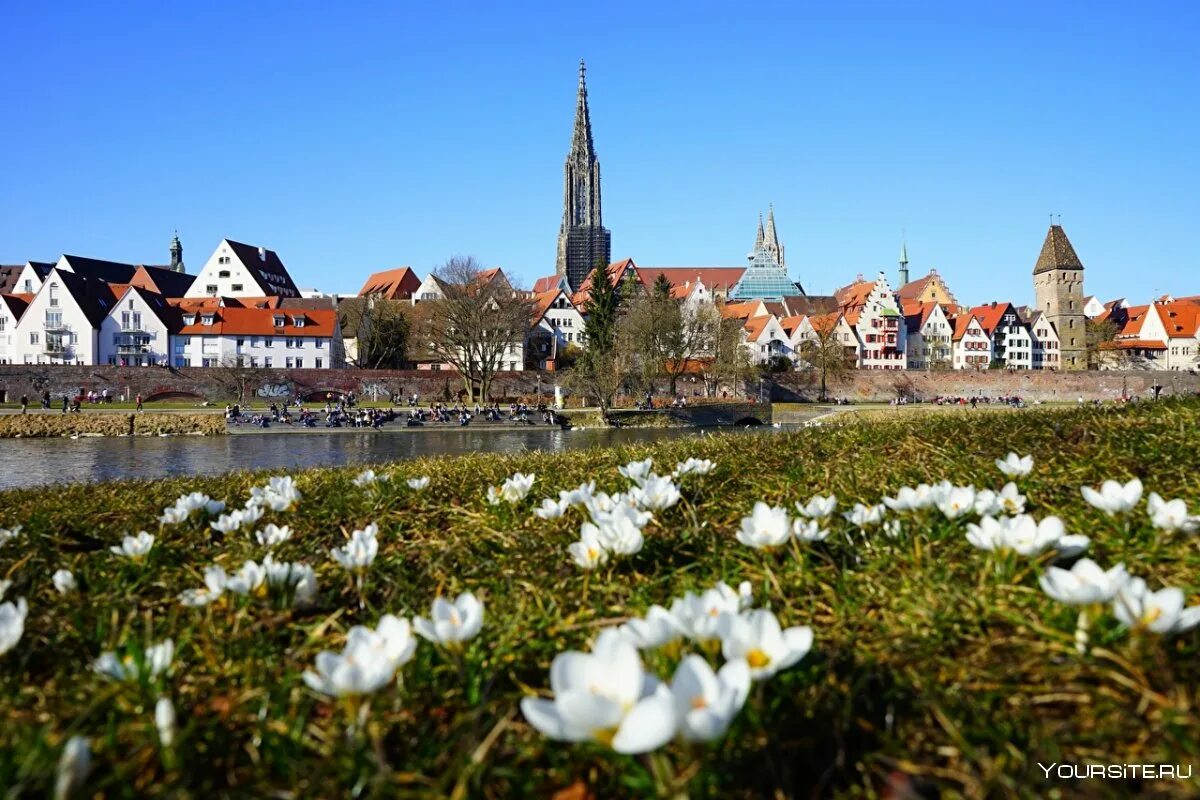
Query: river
[{"x": 38, "y": 462}]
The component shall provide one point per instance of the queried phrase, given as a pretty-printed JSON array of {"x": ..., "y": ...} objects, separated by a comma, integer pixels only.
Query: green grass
[{"x": 928, "y": 669}]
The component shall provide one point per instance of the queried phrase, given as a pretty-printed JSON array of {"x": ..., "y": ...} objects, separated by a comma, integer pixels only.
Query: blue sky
[{"x": 357, "y": 137}]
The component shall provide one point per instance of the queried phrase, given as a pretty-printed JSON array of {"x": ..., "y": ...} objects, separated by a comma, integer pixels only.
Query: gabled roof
[
  {"x": 718, "y": 279},
  {"x": 542, "y": 302},
  {"x": 756, "y": 325},
  {"x": 167, "y": 314},
  {"x": 809, "y": 304},
  {"x": 16, "y": 303},
  {"x": 616, "y": 273},
  {"x": 823, "y": 323},
  {"x": 1057, "y": 252},
  {"x": 165, "y": 282},
  {"x": 961, "y": 323},
  {"x": 392, "y": 284},
  {"x": 1180, "y": 319},
  {"x": 110, "y": 271},
  {"x": 548, "y": 283},
  {"x": 8, "y": 276},
  {"x": 913, "y": 289},
  {"x": 1135, "y": 317},
  {"x": 791, "y": 324},
  {"x": 746, "y": 309},
  {"x": 853, "y": 298},
  {"x": 917, "y": 314},
  {"x": 989, "y": 315},
  {"x": 94, "y": 296},
  {"x": 265, "y": 268}
]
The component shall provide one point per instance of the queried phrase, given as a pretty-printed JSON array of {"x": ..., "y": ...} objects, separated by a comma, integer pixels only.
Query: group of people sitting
[{"x": 344, "y": 413}]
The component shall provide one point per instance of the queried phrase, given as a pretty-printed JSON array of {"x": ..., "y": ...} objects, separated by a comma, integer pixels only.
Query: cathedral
[{"x": 583, "y": 241}]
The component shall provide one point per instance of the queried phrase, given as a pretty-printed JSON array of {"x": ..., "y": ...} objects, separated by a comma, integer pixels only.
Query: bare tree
[
  {"x": 827, "y": 356},
  {"x": 1098, "y": 333},
  {"x": 727, "y": 361},
  {"x": 477, "y": 326},
  {"x": 236, "y": 374},
  {"x": 382, "y": 333}
]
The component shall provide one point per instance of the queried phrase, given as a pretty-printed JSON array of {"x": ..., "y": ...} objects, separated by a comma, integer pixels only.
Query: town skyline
[{"x": 837, "y": 222}]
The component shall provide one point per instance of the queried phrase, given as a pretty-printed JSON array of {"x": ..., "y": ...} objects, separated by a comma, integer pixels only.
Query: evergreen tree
[
  {"x": 602, "y": 306},
  {"x": 662, "y": 287}
]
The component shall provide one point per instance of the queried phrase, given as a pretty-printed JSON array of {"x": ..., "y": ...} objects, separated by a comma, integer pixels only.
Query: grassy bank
[
  {"x": 934, "y": 668},
  {"x": 109, "y": 424}
]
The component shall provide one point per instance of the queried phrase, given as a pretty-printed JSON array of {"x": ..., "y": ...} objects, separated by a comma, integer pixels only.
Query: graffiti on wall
[{"x": 274, "y": 390}]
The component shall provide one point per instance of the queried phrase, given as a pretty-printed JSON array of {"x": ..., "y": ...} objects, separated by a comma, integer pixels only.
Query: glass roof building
[{"x": 764, "y": 279}]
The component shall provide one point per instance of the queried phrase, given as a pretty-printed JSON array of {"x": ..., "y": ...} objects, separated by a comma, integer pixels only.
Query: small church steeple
[
  {"x": 176, "y": 253},
  {"x": 903, "y": 262}
]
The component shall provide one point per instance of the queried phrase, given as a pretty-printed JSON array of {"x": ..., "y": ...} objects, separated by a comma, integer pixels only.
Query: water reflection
[{"x": 37, "y": 462}]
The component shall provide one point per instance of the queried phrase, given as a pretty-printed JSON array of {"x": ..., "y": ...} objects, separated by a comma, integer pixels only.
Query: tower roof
[
  {"x": 581, "y": 139},
  {"x": 1057, "y": 252},
  {"x": 772, "y": 237},
  {"x": 758, "y": 237}
]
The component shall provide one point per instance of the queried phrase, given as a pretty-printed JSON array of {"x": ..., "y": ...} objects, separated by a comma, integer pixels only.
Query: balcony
[
  {"x": 130, "y": 349},
  {"x": 54, "y": 348},
  {"x": 56, "y": 325}
]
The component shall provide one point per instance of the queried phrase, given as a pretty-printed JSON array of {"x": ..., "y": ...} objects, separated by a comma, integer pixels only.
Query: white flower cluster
[
  {"x": 359, "y": 552},
  {"x": 287, "y": 584},
  {"x": 769, "y": 527},
  {"x": 514, "y": 489},
  {"x": 187, "y": 504},
  {"x": 370, "y": 658},
  {"x": 607, "y": 696},
  {"x": 1134, "y": 605},
  {"x": 134, "y": 665}
]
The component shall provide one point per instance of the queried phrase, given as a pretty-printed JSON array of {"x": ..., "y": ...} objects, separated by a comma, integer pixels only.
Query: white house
[
  {"x": 1092, "y": 307},
  {"x": 60, "y": 324},
  {"x": 1012, "y": 345},
  {"x": 929, "y": 343},
  {"x": 137, "y": 331},
  {"x": 557, "y": 324},
  {"x": 12, "y": 308},
  {"x": 31, "y": 276},
  {"x": 972, "y": 345},
  {"x": 870, "y": 306},
  {"x": 1045, "y": 341},
  {"x": 241, "y": 270},
  {"x": 766, "y": 339},
  {"x": 798, "y": 329},
  {"x": 271, "y": 338}
]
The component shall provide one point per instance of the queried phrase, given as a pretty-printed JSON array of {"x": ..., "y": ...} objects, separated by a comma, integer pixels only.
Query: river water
[{"x": 37, "y": 462}]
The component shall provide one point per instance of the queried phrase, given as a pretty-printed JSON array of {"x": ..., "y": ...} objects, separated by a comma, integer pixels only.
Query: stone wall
[{"x": 217, "y": 384}]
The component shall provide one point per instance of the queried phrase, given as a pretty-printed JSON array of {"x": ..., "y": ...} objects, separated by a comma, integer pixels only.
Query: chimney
[{"x": 262, "y": 254}]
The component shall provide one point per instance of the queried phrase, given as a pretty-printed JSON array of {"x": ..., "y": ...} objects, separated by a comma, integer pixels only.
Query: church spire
[
  {"x": 581, "y": 140},
  {"x": 903, "y": 261},
  {"x": 758, "y": 237},
  {"x": 176, "y": 253},
  {"x": 772, "y": 240}
]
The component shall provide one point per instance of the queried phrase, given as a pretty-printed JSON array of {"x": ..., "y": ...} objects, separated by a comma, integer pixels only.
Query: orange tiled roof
[
  {"x": 989, "y": 315},
  {"x": 261, "y": 322},
  {"x": 1181, "y": 319},
  {"x": 742, "y": 310},
  {"x": 961, "y": 323},
  {"x": 1133, "y": 344},
  {"x": 716, "y": 278},
  {"x": 541, "y": 303},
  {"x": 825, "y": 322},
  {"x": 790, "y": 324},
  {"x": 1136, "y": 317},
  {"x": 392, "y": 284},
  {"x": 756, "y": 325}
]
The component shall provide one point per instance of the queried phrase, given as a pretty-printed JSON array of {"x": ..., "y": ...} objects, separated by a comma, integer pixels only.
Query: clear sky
[{"x": 356, "y": 137}]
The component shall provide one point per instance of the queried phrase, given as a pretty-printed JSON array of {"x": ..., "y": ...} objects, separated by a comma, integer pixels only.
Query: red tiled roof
[
  {"x": 392, "y": 284},
  {"x": 1136, "y": 317},
  {"x": 755, "y": 326},
  {"x": 545, "y": 284},
  {"x": 1180, "y": 319},
  {"x": 790, "y": 324},
  {"x": 961, "y": 323},
  {"x": 541, "y": 303},
  {"x": 719, "y": 278},
  {"x": 853, "y": 298},
  {"x": 989, "y": 315},
  {"x": 1133, "y": 344},
  {"x": 261, "y": 322}
]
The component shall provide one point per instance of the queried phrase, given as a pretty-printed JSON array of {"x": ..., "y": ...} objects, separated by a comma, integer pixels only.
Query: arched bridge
[{"x": 706, "y": 415}]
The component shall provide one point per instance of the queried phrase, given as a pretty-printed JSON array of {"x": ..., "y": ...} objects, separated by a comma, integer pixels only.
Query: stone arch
[
  {"x": 319, "y": 395},
  {"x": 172, "y": 394}
]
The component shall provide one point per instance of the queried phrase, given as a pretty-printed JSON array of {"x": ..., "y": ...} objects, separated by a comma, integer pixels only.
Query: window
[
  {"x": 207, "y": 319},
  {"x": 53, "y": 295},
  {"x": 288, "y": 362},
  {"x": 33, "y": 338},
  {"x": 237, "y": 287},
  {"x": 266, "y": 361},
  {"x": 223, "y": 260},
  {"x": 299, "y": 363},
  {"x": 2, "y": 321},
  {"x": 298, "y": 322},
  {"x": 182, "y": 362},
  {"x": 211, "y": 289},
  {"x": 268, "y": 340},
  {"x": 223, "y": 273},
  {"x": 28, "y": 286},
  {"x": 318, "y": 343},
  {"x": 318, "y": 363},
  {"x": 278, "y": 320},
  {"x": 240, "y": 341}
]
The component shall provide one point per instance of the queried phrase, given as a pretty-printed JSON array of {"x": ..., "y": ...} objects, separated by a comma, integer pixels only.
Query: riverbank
[
  {"x": 48, "y": 425},
  {"x": 935, "y": 667}
]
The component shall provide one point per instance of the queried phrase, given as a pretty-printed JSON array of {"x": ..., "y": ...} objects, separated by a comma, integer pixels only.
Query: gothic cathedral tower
[
  {"x": 583, "y": 241},
  {"x": 1058, "y": 287}
]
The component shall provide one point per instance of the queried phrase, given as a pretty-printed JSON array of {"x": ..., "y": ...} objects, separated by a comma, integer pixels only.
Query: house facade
[
  {"x": 929, "y": 343},
  {"x": 972, "y": 346}
]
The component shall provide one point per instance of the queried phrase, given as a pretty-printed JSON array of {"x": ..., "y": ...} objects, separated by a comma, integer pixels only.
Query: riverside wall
[{"x": 217, "y": 385}]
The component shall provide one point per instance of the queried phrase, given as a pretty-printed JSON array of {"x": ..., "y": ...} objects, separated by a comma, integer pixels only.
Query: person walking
[
  {"x": 24, "y": 403},
  {"x": 64, "y": 403},
  {"x": 46, "y": 399},
  {"x": 139, "y": 402}
]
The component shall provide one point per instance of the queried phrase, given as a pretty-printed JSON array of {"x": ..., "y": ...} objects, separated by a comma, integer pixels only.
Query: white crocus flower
[
  {"x": 228, "y": 523},
  {"x": 693, "y": 466},
  {"x": 297, "y": 581},
  {"x": 909, "y": 499},
  {"x": 604, "y": 696},
  {"x": 766, "y": 527},
  {"x": 215, "y": 582},
  {"x": 579, "y": 496},
  {"x": 987, "y": 503},
  {"x": 173, "y": 515},
  {"x": 818, "y": 507},
  {"x": 891, "y": 529},
  {"x": 1171, "y": 515},
  {"x": 418, "y": 484},
  {"x": 617, "y": 531},
  {"x": 865, "y": 516},
  {"x": 280, "y": 494},
  {"x": 366, "y": 478},
  {"x": 272, "y": 534},
  {"x": 64, "y": 581},
  {"x": 655, "y": 493},
  {"x": 707, "y": 702},
  {"x": 493, "y": 495},
  {"x": 247, "y": 580},
  {"x": 367, "y": 663},
  {"x": 12, "y": 623},
  {"x": 757, "y": 637},
  {"x": 637, "y": 471},
  {"x": 73, "y": 768},
  {"x": 164, "y": 721},
  {"x": 1136, "y": 607},
  {"x": 1114, "y": 498},
  {"x": 550, "y": 509},
  {"x": 1015, "y": 466},
  {"x": 251, "y": 514},
  {"x": 589, "y": 552},
  {"x": 515, "y": 488},
  {"x": 1024, "y": 535},
  {"x": 657, "y": 628},
  {"x": 699, "y": 615},
  {"x": 1012, "y": 502},
  {"x": 8, "y": 534},
  {"x": 134, "y": 547},
  {"x": 452, "y": 623},
  {"x": 156, "y": 660},
  {"x": 809, "y": 530},
  {"x": 1083, "y": 584},
  {"x": 957, "y": 501},
  {"x": 360, "y": 551}
]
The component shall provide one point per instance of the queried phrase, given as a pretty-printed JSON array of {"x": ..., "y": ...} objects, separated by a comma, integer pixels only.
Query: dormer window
[
  {"x": 298, "y": 322},
  {"x": 279, "y": 319},
  {"x": 189, "y": 319},
  {"x": 206, "y": 319}
]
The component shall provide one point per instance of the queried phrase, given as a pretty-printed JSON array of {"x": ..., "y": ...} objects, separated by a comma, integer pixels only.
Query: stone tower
[
  {"x": 176, "y": 253},
  {"x": 771, "y": 242},
  {"x": 1058, "y": 287},
  {"x": 583, "y": 241}
]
